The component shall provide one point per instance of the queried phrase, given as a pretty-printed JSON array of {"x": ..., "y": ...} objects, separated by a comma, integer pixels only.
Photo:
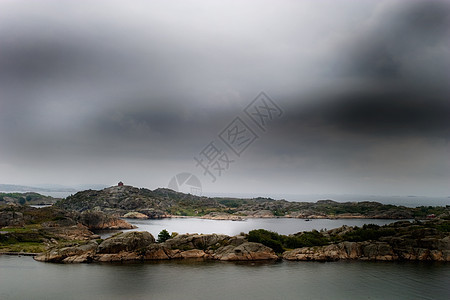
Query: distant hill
[{"x": 29, "y": 198}]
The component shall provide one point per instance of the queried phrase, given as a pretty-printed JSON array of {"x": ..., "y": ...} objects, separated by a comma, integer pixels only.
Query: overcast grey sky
[{"x": 102, "y": 91}]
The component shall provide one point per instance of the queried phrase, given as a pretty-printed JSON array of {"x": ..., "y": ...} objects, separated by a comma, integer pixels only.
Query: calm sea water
[
  {"x": 24, "y": 278},
  {"x": 280, "y": 225}
]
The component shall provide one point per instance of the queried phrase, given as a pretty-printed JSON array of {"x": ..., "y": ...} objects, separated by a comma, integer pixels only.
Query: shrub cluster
[
  {"x": 280, "y": 243},
  {"x": 368, "y": 232}
]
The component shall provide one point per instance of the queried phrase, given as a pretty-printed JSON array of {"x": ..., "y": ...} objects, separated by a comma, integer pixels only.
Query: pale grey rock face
[
  {"x": 244, "y": 252},
  {"x": 135, "y": 215},
  {"x": 128, "y": 241},
  {"x": 11, "y": 218},
  {"x": 437, "y": 250},
  {"x": 75, "y": 254},
  {"x": 195, "y": 241}
]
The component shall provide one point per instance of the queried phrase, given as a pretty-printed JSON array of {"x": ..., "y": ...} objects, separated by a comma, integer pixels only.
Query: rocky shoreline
[
  {"x": 25, "y": 229},
  {"x": 400, "y": 241},
  {"x": 63, "y": 233},
  {"x": 141, "y": 246}
]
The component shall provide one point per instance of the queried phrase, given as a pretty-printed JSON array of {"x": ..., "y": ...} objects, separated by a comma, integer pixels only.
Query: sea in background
[{"x": 24, "y": 278}]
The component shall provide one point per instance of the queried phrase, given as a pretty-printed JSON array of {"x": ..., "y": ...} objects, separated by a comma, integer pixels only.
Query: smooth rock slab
[
  {"x": 246, "y": 251},
  {"x": 128, "y": 241}
]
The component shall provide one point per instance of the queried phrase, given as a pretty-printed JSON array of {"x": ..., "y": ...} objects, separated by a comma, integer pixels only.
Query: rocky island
[
  {"x": 419, "y": 241},
  {"x": 28, "y": 198},
  {"x": 132, "y": 202},
  {"x": 24, "y": 229},
  {"x": 64, "y": 232}
]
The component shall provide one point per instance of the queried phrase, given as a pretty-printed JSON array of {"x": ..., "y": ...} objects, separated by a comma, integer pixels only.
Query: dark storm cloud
[
  {"x": 153, "y": 83},
  {"x": 393, "y": 36},
  {"x": 397, "y": 72},
  {"x": 391, "y": 114}
]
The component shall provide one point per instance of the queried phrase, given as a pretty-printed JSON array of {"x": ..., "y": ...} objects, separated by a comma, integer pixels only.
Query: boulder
[
  {"x": 222, "y": 216},
  {"x": 344, "y": 250},
  {"x": 118, "y": 257},
  {"x": 326, "y": 253},
  {"x": 11, "y": 218},
  {"x": 96, "y": 220},
  {"x": 75, "y": 232},
  {"x": 196, "y": 241},
  {"x": 135, "y": 215},
  {"x": 157, "y": 252},
  {"x": 378, "y": 251},
  {"x": 194, "y": 253},
  {"x": 128, "y": 241},
  {"x": 73, "y": 254},
  {"x": 246, "y": 251}
]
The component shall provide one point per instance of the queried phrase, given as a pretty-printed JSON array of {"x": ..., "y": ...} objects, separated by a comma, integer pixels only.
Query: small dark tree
[
  {"x": 163, "y": 236},
  {"x": 22, "y": 201}
]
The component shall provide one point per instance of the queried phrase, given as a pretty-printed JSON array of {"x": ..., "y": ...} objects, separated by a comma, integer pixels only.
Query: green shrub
[
  {"x": 279, "y": 243},
  {"x": 306, "y": 239},
  {"x": 368, "y": 232},
  {"x": 163, "y": 236},
  {"x": 445, "y": 227},
  {"x": 268, "y": 238}
]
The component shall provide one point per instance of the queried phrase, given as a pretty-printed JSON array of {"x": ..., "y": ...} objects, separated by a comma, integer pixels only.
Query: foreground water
[
  {"x": 24, "y": 278},
  {"x": 280, "y": 225}
]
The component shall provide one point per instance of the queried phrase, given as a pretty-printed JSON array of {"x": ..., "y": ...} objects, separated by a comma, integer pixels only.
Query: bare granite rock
[
  {"x": 73, "y": 254},
  {"x": 96, "y": 220},
  {"x": 135, "y": 215},
  {"x": 369, "y": 250},
  {"x": 128, "y": 241},
  {"x": 245, "y": 251}
]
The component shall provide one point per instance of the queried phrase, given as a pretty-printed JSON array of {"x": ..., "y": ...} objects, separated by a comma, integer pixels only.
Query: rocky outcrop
[
  {"x": 197, "y": 241},
  {"x": 95, "y": 220},
  {"x": 433, "y": 249},
  {"x": 246, "y": 251},
  {"x": 11, "y": 218},
  {"x": 71, "y": 254},
  {"x": 28, "y": 229},
  {"x": 429, "y": 241},
  {"x": 74, "y": 232},
  {"x": 131, "y": 246},
  {"x": 29, "y": 198},
  {"x": 222, "y": 216},
  {"x": 263, "y": 213},
  {"x": 119, "y": 200},
  {"x": 19, "y": 216},
  {"x": 128, "y": 241},
  {"x": 135, "y": 215},
  {"x": 345, "y": 250}
]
